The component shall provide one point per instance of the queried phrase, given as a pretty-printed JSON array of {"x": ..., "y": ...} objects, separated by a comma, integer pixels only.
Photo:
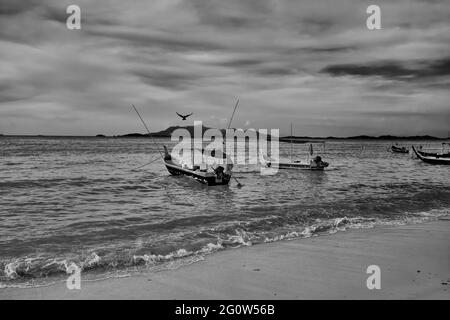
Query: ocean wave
[
  {"x": 232, "y": 235},
  {"x": 30, "y": 268}
]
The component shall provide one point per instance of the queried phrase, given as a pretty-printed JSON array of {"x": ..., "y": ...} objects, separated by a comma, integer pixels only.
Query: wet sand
[{"x": 414, "y": 261}]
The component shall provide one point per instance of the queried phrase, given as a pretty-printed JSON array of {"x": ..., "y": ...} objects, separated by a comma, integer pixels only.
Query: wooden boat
[
  {"x": 433, "y": 154},
  {"x": 399, "y": 149},
  {"x": 311, "y": 164},
  {"x": 432, "y": 159},
  {"x": 218, "y": 176},
  {"x": 441, "y": 154}
]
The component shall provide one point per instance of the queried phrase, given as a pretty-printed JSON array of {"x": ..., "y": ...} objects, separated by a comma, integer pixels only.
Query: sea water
[{"x": 78, "y": 200}]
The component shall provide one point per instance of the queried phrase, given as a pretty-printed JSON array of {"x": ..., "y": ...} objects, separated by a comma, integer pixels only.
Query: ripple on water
[{"x": 77, "y": 201}]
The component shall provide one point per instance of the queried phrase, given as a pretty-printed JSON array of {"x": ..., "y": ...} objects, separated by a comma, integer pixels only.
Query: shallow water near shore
[{"x": 77, "y": 200}]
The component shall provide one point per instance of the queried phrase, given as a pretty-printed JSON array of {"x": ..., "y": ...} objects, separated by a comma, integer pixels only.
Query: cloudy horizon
[{"x": 311, "y": 63}]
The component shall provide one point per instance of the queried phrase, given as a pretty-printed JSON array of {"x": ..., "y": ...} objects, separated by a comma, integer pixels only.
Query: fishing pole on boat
[
  {"x": 290, "y": 150},
  {"x": 239, "y": 185},
  {"x": 149, "y": 133},
  {"x": 232, "y": 115}
]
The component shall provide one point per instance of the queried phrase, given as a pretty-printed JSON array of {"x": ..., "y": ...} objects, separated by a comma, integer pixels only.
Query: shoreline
[{"x": 414, "y": 260}]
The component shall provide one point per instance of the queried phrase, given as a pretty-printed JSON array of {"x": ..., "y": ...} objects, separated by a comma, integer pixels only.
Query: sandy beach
[{"x": 414, "y": 262}]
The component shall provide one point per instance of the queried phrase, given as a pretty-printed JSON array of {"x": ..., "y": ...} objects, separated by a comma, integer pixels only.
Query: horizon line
[{"x": 155, "y": 134}]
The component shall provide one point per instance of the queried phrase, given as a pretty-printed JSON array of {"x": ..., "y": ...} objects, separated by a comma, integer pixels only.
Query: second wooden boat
[
  {"x": 432, "y": 159},
  {"x": 311, "y": 164},
  {"x": 314, "y": 164},
  {"x": 442, "y": 154}
]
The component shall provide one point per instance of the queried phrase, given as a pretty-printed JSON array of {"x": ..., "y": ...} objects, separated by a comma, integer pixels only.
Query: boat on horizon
[
  {"x": 432, "y": 159},
  {"x": 397, "y": 149}
]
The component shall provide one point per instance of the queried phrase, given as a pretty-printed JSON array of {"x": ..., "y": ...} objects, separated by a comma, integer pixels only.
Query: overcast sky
[{"x": 310, "y": 62}]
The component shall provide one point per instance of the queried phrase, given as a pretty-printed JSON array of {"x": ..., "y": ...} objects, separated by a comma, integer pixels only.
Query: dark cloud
[
  {"x": 438, "y": 68},
  {"x": 13, "y": 7},
  {"x": 44, "y": 9},
  {"x": 10, "y": 92},
  {"x": 141, "y": 38},
  {"x": 233, "y": 14},
  {"x": 276, "y": 71},
  {"x": 328, "y": 49},
  {"x": 407, "y": 113},
  {"x": 263, "y": 66},
  {"x": 393, "y": 69},
  {"x": 240, "y": 63},
  {"x": 55, "y": 13},
  {"x": 385, "y": 69},
  {"x": 166, "y": 79},
  {"x": 314, "y": 25}
]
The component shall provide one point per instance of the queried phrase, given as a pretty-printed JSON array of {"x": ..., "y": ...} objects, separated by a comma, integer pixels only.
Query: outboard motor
[
  {"x": 219, "y": 173},
  {"x": 167, "y": 155},
  {"x": 319, "y": 163}
]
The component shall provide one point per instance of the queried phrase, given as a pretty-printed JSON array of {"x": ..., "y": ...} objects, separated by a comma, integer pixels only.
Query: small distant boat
[
  {"x": 217, "y": 176},
  {"x": 432, "y": 159},
  {"x": 399, "y": 149}
]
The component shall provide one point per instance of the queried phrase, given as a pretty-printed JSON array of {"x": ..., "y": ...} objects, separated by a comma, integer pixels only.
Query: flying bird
[{"x": 184, "y": 117}]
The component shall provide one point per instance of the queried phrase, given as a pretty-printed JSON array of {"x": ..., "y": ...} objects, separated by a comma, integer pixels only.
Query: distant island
[
  {"x": 303, "y": 139},
  {"x": 167, "y": 133}
]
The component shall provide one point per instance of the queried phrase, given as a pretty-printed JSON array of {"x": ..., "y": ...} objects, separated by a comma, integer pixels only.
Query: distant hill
[
  {"x": 389, "y": 137},
  {"x": 305, "y": 139},
  {"x": 167, "y": 133}
]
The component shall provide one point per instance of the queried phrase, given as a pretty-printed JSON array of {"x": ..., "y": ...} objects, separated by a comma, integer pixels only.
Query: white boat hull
[{"x": 297, "y": 166}]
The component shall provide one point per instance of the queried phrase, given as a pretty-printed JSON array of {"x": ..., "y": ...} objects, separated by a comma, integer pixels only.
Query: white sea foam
[
  {"x": 152, "y": 259},
  {"x": 241, "y": 238},
  {"x": 211, "y": 247},
  {"x": 10, "y": 270},
  {"x": 92, "y": 260}
]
